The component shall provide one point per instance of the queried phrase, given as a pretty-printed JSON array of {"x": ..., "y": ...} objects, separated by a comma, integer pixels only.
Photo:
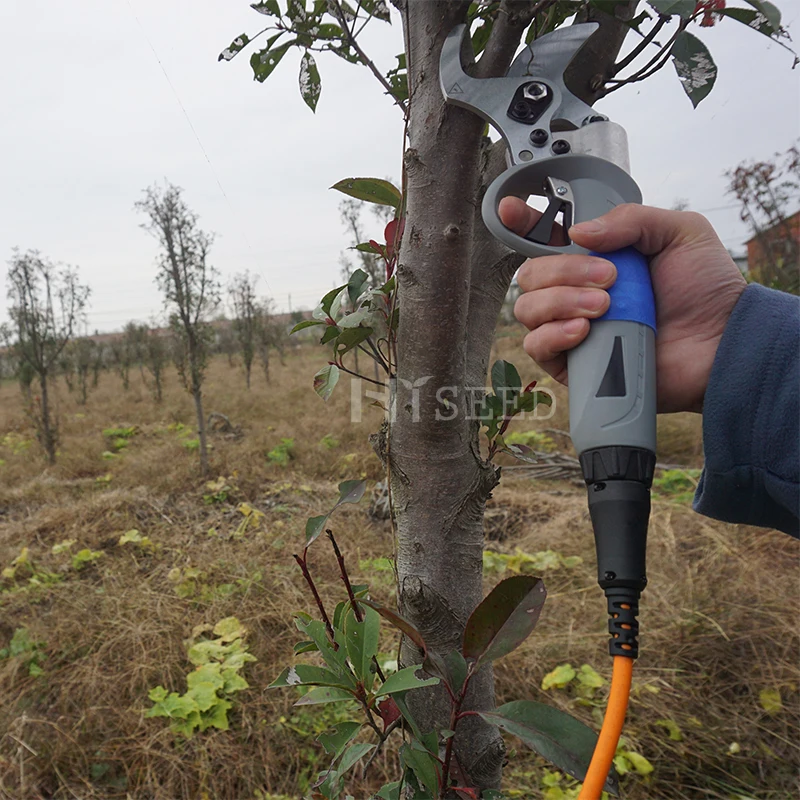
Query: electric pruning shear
[{"x": 561, "y": 149}]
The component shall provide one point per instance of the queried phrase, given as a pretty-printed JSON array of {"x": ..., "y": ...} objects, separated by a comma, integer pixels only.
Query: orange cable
[{"x": 606, "y": 747}]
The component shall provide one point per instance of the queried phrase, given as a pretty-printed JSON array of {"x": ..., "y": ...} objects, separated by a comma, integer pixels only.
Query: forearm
[{"x": 751, "y": 416}]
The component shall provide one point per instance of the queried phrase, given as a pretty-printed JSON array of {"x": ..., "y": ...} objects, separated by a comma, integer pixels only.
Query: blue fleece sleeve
[{"x": 751, "y": 416}]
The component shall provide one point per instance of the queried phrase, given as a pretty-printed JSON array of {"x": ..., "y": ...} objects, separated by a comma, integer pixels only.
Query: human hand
[{"x": 695, "y": 282}]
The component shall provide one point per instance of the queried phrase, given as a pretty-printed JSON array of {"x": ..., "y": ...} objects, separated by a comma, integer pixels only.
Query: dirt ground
[{"x": 715, "y": 710}]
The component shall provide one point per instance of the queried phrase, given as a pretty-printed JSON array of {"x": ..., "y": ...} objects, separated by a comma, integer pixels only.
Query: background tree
[
  {"x": 47, "y": 304},
  {"x": 248, "y": 319},
  {"x": 154, "y": 352},
  {"x": 769, "y": 194},
  {"x": 84, "y": 350},
  {"x": 190, "y": 287},
  {"x": 452, "y": 276}
]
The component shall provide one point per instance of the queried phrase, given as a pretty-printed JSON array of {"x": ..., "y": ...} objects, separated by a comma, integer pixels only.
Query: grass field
[{"x": 90, "y": 628}]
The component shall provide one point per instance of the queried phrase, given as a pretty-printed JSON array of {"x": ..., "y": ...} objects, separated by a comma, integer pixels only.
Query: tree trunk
[
  {"x": 197, "y": 394},
  {"x": 452, "y": 278},
  {"x": 48, "y": 435},
  {"x": 247, "y": 366}
]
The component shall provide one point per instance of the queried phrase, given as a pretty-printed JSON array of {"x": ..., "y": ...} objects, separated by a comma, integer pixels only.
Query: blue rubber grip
[{"x": 632, "y": 293}]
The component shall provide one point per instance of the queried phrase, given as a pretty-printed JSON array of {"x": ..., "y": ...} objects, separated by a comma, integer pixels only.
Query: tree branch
[
  {"x": 338, "y": 12},
  {"x": 586, "y": 76}
]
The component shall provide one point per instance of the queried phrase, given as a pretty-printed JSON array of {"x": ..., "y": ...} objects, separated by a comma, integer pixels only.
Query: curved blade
[{"x": 549, "y": 56}]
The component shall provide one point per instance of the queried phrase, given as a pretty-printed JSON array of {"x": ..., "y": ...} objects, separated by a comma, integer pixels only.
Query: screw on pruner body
[
  {"x": 561, "y": 146},
  {"x": 539, "y": 137}
]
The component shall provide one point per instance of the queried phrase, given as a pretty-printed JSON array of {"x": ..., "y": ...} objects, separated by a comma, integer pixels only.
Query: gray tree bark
[{"x": 452, "y": 277}]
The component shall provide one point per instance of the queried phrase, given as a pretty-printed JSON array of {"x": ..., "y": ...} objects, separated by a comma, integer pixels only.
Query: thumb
[{"x": 650, "y": 230}]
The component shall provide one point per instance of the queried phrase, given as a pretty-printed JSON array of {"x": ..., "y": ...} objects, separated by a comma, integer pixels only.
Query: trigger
[{"x": 559, "y": 195}]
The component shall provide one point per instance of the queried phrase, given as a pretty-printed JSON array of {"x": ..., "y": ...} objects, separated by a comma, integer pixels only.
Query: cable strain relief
[{"x": 623, "y": 625}]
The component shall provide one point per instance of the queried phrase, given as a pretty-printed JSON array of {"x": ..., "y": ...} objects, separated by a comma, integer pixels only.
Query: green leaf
[
  {"x": 315, "y": 630},
  {"x": 554, "y": 735},
  {"x": 423, "y": 766},
  {"x": 206, "y": 673},
  {"x": 481, "y": 37},
  {"x": 335, "y": 740},
  {"x": 269, "y": 7},
  {"x": 377, "y": 9},
  {"x": 233, "y": 682},
  {"x": 351, "y": 492},
  {"x": 672, "y": 728},
  {"x": 403, "y": 681},
  {"x": 307, "y": 323},
  {"x": 695, "y": 66},
  {"x": 204, "y": 694},
  {"x": 229, "y": 629},
  {"x": 372, "y": 190},
  {"x": 684, "y": 8},
  {"x": 331, "y": 332},
  {"x": 505, "y": 380},
  {"x": 456, "y": 670},
  {"x": 589, "y": 677},
  {"x": 768, "y": 10},
  {"x": 307, "y": 674},
  {"x": 504, "y": 619},
  {"x": 362, "y": 643},
  {"x": 314, "y": 527},
  {"x": 559, "y": 677},
  {"x": 770, "y": 700},
  {"x": 325, "y": 694},
  {"x": 304, "y": 647},
  {"x": 216, "y": 716},
  {"x": 325, "y": 381},
  {"x": 238, "y": 44},
  {"x": 310, "y": 85},
  {"x": 639, "y": 762},
  {"x": 354, "y": 754},
  {"x": 350, "y": 338},
  {"x": 390, "y": 791},
  {"x": 355, "y": 286},
  {"x": 264, "y": 61},
  {"x": 327, "y": 300},
  {"x": 399, "y": 622}
]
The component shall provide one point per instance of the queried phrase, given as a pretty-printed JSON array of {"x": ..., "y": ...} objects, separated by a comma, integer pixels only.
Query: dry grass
[{"x": 719, "y": 616}]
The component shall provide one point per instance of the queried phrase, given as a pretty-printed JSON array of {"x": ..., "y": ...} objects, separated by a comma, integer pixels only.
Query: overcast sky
[{"x": 100, "y": 98}]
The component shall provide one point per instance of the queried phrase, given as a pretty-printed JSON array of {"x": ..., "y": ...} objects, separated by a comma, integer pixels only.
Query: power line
[{"x": 194, "y": 131}]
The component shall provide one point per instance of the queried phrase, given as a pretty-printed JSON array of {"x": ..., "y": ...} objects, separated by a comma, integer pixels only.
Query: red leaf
[
  {"x": 529, "y": 387},
  {"x": 393, "y": 233},
  {"x": 465, "y": 791},
  {"x": 389, "y": 712}
]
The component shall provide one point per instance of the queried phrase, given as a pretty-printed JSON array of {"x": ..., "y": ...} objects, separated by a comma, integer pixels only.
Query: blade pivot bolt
[
  {"x": 561, "y": 146},
  {"x": 539, "y": 137}
]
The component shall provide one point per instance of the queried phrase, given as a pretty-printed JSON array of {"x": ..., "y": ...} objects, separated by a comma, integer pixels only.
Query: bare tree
[
  {"x": 248, "y": 318},
  {"x": 77, "y": 361},
  {"x": 190, "y": 287},
  {"x": 153, "y": 350},
  {"x": 769, "y": 194},
  {"x": 47, "y": 303},
  {"x": 124, "y": 351}
]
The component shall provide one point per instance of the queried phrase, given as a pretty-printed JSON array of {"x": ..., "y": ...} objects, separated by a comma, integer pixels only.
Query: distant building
[{"x": 773, "y": 255}]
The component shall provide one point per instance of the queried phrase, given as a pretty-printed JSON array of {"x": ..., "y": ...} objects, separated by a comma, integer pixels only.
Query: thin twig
[
  {"x": 365, "y": 59},
  {"x": 631, "y": 57},
  {"x": 393, "y": 726},
  {"x": 358, "y": 375},
  {"x": 317, "y": 598},
  {"x": 353, "y": 602}
]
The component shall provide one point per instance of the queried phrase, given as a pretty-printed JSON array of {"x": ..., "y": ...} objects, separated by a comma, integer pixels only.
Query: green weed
[
  {"x": 29, "y": 652},
  {"x": 211, "y": 686},
  {"x": 678, "y": 485},
  {"x": 281, "y": 453},
  {"x": 527, "y": 563}
]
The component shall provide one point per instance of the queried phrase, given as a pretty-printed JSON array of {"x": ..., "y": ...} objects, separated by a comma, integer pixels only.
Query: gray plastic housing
[
  {"x": 612, "y": 387},
  {"x": 597, "y": 186}
]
